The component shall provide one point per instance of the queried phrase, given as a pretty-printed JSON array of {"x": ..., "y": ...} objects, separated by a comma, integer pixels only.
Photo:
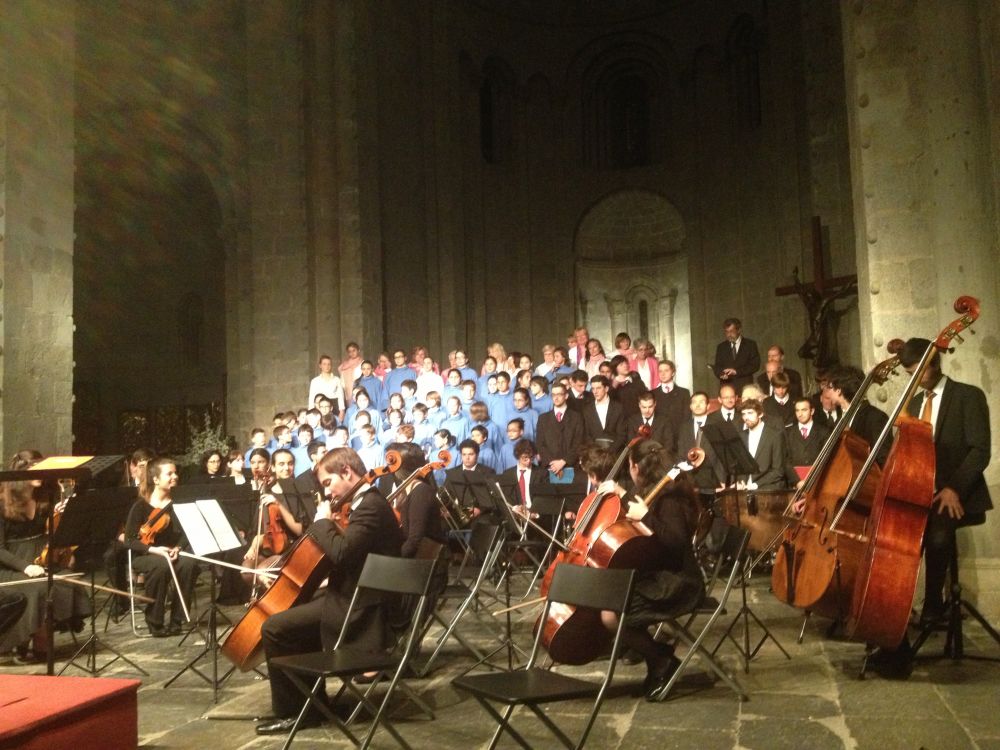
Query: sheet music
[
  {"x": 196, "y": 529},
  {"x": 218, "y": 524}
]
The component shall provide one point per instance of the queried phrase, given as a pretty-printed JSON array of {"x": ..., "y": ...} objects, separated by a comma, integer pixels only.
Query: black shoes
[
  {"x": 892, "y": 665},
  {"x": 283, "y": 726},
  {"x": 157, "y": 631},
  {"x": 631, "y": 657},
  {"x": 658, "y": 677}
]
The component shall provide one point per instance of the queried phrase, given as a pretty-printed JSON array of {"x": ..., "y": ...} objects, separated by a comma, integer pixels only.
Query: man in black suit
[
  {"x": 776, "y": 363},
  {"x": 577, "y": 397},
  {"x": 804, "y": 439},
  {"x": 767, "y": 446},
  {"x": 469, "y": 481},
  {"x": 711, "y": 474},
  {"x": 315, "y": 625},
  {"x": 559, "y": 433},
  {"x": 779, "y": 407},
  {"x": 736, "y": 358},
  {"x": 672, "y": 401},
  {"x": 660, "y": 429},
  {"x": 604, "y": 420},
  {"x": 868, "y": 421},
  {"x": 960, "y": 419},
  {"x": 727, "y": 407}
]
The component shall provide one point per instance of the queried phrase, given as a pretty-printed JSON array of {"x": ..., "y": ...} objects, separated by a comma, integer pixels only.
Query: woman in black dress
[
  {"x": 673, "y": 584},
  {"x": 24, "y": 508}
]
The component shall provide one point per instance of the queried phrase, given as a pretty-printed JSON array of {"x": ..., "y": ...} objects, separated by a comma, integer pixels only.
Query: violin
[
  {"x": 158, "y": 520},
  {"x": 59, "y": 557}
]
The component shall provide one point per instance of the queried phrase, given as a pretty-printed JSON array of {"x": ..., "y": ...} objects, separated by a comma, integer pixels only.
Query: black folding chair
[
  {"x": 596, "y": 588},
  {"x": 733, "y": 549},
  {"x": 484, "y": 545},
  {"x": 386, "y": 574}
]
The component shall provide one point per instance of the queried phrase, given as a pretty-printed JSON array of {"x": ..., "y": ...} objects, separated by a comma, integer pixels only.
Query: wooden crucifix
[{"x": 819, "y": 298}]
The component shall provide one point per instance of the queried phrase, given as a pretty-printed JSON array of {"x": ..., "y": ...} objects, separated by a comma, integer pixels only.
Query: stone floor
[{"x": 813, "y": 699}]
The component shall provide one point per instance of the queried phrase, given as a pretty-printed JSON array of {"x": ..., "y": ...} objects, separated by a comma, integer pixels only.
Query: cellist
[
  {"x": 315, "y": 625},
  {"x": 673, "y": 584}
]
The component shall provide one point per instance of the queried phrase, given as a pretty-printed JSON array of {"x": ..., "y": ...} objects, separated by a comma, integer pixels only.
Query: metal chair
[
  {"x": 394, "y": 575},
  {"x": 484, "y": 544},
  {"x": 733, "y": 549},
  {"x": 600, "y": 589}
]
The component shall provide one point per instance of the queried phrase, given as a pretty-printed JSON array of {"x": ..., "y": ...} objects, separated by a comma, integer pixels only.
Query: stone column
[
  {"x": 619, "y": 316},
  {"x": 920, "y": 119},
  {"x": 37, "y": 99},
  {"x": 665, "y": 318}
]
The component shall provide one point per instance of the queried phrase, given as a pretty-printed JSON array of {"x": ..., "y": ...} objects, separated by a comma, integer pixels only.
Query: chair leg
[{"x": 503, "y": 724}]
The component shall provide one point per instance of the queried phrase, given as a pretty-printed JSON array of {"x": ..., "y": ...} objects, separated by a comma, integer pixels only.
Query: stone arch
[
  {"x": 157, "y": 195},
  {"x": 626, "y": 84},
  {"x": 631, "y": 255},
  {"x": 496, "y": 110}
]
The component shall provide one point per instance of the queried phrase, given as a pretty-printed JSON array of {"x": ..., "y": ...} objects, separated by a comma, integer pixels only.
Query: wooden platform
[{"x": 42, "y": 713}]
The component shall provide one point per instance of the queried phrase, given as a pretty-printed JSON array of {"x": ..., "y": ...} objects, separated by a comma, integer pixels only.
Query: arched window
[
  {"x": 643, "y": 319},
  {"x": 629, "y": 123},
  {"x": 496, "y": 107}
]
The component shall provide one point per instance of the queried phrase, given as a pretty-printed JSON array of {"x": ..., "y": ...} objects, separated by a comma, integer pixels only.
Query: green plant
[{"x": 203, "y": 439}]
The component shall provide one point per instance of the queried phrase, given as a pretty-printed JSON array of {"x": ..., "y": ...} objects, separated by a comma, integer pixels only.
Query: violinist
[
  {"x": 155, "y": 537},
  {"x": 673, "y": 584},
  {"x": 24, "y": 509},
  {"x": 294, "y": 513},
  {"x": 315, "y": 625}
]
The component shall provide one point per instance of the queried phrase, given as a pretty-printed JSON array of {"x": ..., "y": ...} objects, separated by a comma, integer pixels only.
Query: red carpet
[{"x": 49, "y": 713}]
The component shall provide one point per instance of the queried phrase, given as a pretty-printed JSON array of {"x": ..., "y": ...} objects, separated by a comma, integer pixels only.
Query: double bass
[
  {"x": 304, "y": 568},
  {"x": 814, "y": 569},
  {"x": 893, "y": 538}
]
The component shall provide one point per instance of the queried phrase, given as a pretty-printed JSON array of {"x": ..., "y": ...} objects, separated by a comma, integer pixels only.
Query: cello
[
  {"x": 574, "y": 635},
  {"x": 305, "y": 567},
  {"x": 893, "y": 538}
]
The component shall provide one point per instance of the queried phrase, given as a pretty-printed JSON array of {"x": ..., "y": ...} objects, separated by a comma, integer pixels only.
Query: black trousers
[
  {"x": 294, "y": 631},
  {"x": 12, "y": 606},
  {"x": 160, "y": 587}
]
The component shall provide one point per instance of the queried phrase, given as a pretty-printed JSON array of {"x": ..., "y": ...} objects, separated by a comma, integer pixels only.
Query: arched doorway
[{"x": 631, "y": 274}]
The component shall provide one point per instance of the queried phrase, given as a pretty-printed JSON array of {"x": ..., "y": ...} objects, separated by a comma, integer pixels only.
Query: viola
[
  {"x": 304, "y": 568},
  {"x": 275, "y": 536}
]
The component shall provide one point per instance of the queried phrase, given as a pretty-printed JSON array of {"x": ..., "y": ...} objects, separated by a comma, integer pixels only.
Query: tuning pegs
[{"x": 958, "y": 337}]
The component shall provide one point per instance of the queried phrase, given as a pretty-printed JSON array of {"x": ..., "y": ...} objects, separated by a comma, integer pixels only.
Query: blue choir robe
[
  {"x": 376, "y": 391},
  {"x": 506, "y": 457},
  {"x": 371, "y": 455},
  {"x": 449, "y": 391},
  {"x": 543, "y": 404},
  {"x": 423, "y": 435},
  {"x": 488, "y": 457},
  {"x": 435, "y": 415},
  {"x": 482, "y": 385},
  {"x": 457, "y": 425},
  {"x": 373, "y": 415},
  {"x": 493, "y": 434},
  {"x": 502, "y": 409},
  {"x": 555, "y": 373},
  {"x": 530, "y": 417},
  {"x": 246, "y": 455},
  {"x": 302, "y": 462},
  {"x": 468, "y": 373},
  {"x": 394, "y": 380},
  {"x": 440, "y": 474}
]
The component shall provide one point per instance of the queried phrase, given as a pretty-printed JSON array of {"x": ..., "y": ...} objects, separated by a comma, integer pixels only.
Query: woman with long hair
[
  {"x": 673, "y": 583},
  {"x": 24, "y": 510}
]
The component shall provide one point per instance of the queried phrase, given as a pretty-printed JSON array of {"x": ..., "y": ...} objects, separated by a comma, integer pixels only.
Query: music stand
[
  {"x": 725, "y": 439},
  {"x": 81, "y": 469},
  {"x": 89, "y": 522},
  {"x": 209, "y": 531}
]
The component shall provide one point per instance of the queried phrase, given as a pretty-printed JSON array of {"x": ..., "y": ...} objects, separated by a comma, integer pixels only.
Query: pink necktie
[
  {"x": 559, "y": 416},
  {"x": 805, "y": 433}
]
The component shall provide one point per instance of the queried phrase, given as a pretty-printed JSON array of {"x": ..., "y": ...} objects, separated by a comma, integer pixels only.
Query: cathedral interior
[{"x": 200, "y": 197}]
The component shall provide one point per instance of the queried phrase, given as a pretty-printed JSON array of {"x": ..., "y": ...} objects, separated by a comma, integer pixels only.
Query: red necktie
[
  {"x": 805, "y": 433},
  {"x": 559, "y": 416},
  {"x": 520, "y": 485}
]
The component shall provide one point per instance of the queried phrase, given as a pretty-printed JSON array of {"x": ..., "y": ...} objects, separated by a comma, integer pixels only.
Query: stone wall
[
  {"x": 37, "y": 43},
  {"x": 922, "y": 113}
]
